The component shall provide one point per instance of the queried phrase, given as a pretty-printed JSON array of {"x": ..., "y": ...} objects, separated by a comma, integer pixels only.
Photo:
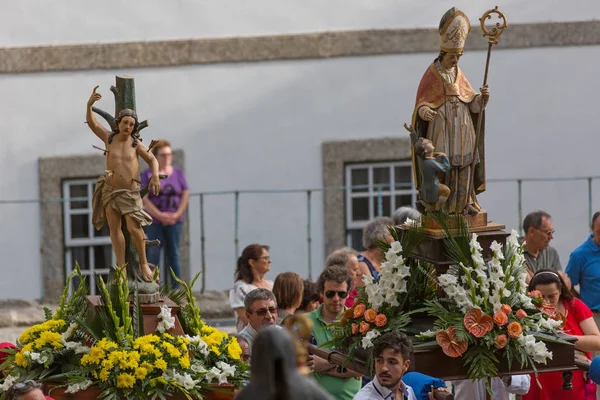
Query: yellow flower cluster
[
  {"x": 213, "y": 338},
  {"x": 31, "y": 334},
  {"x": 39, "y": 336},
  {"x": 233, "y": 349},
  {"x": 150, "y": 353}
]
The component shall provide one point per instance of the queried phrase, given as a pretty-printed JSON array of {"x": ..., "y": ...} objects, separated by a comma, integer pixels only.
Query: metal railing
[{"x": 308, "y": 193}]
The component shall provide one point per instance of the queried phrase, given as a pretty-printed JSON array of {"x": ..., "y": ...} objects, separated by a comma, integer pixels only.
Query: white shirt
[
  {"x": 374, "y": 391},
  {"x": 475, "y": 390}
]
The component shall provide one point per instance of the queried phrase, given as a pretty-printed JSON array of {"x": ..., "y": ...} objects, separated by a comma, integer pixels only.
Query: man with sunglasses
[
  {"x": 26, "y": 390},
  {"x": 261, "y": 312},
  {"x": 334, "y": 284}
]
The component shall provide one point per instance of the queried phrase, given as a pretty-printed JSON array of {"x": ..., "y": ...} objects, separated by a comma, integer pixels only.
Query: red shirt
[{"x": 552, "y": 382}]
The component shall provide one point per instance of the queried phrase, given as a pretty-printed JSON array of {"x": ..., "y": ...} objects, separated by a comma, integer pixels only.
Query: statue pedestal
[
  {"x": 149, "y": 313},
  {"x": 432, "y": 248}
]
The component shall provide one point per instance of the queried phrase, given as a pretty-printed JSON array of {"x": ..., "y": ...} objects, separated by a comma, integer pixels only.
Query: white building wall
[{"x": 260, "y": 126}]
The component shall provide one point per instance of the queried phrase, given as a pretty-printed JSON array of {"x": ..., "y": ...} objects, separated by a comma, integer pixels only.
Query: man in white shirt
[
  {"x": 501, "y": 387},
  {"x": 391, "y": 353}
]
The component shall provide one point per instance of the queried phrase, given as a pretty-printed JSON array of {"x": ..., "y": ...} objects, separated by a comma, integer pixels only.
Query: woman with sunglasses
[
  {"x": 579, "y": 323},
  {"x": 252, "y": 266}
]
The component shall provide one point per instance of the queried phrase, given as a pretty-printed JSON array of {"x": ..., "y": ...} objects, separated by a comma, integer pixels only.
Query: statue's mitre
[{"x": 454, "y": 28}]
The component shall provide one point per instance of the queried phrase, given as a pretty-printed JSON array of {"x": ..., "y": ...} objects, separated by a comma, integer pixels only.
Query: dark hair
[
  {"x": 258, "y": 294},
  {"x": 127, "y": 112},
  {"x": 335, "y": 273},
  {"x": 547, "y": 277},
  {"x": 288, "y": 289},
  {"x": 594, "y": 218},
  {"x": 534, "y": 220},
  {"x": 243, "y": 270},
  {"x": 309, "y": 295},
  {"x": 396, "y": 341},
  {"x": 159, "y": 145},
  {"x": 420, "y": 147},
  {"x": 19, "y": 389}
]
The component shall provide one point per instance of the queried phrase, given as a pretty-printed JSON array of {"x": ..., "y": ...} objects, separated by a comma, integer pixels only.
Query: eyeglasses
[
  {"x": 261, "y": 312},
  {"x": 330, "y": 293},
  {"x": 547, "y": 233},
  {"x": 266, "y": 258}
]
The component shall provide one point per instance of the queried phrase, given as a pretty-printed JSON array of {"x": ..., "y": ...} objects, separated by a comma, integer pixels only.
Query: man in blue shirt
[{"x": 584, "y": 269}]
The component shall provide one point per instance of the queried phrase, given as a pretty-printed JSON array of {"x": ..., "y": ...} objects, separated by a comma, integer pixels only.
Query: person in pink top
[{"x": 579, "y": 323}]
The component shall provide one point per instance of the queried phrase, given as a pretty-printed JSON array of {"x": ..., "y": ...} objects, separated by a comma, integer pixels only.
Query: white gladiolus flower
[
  {"x": 8, "y": 382},
  {"x": 228, "y": 370},
  {"x": 367, "y": 340},
  {"x": 396, "y": 247},
  {"x": 76, "y": 387},
  {"x": 69, "y": 332},
  {"x": 166, "y": 320},
  {"x": 212, "y": 373}
]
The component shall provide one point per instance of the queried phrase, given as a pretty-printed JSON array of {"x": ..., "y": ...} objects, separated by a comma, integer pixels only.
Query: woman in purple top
[{"x": 166, "y": 209}]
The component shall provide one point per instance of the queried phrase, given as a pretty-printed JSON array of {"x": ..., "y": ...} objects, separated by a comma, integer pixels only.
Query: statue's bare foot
[
  {"x": 147, "y": 273},
  {"x": 470, "y": 210}
]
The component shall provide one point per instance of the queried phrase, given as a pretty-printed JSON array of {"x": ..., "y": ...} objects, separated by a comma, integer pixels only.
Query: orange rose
[
  {"x": 359, "y": 310},
  {"x": 500, "y": 318},
  {"x": 501, "y": 341},
  {"x": 521, "y": 314},
  {"x": 536, "y": 294},
  {"x": 514, "y": 329},
  {"x": 370, "y": 315},
  {"x": 380, "y": 320},
  {"x": 354, "y": 329},
  {"x": 506, "y": 309},
  {"x": 364, "y": 327}
]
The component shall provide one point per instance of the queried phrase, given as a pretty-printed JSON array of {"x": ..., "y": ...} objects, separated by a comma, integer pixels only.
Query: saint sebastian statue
[
  {"x": 117, "y": 194},
  {"x": 446, "y": 114}
]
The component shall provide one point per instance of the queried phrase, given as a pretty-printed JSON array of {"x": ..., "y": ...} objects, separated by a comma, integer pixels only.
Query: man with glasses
[
  {"x": 538, "y": 253},
  {"x": 261, "y": 311},
  {"x": 334, "y": 284},
  {"x": 27, "y": 390}
]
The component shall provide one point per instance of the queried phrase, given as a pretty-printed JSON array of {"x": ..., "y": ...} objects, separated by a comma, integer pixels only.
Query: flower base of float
[
  {"x": 473, "y": 278},
  {"x": 57, "y": 392}
]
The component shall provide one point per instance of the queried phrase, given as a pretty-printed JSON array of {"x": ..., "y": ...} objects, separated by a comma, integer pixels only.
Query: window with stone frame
[
  {"x": 84, "y": 245},
  {"x": 375, "y": 189}
]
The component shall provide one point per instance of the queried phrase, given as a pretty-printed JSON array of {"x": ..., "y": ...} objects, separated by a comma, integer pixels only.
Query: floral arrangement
[
  {"x": 68, "y": 350},
  {"x": 382, "y": 305},
  {"x": 487, "y": 313}
]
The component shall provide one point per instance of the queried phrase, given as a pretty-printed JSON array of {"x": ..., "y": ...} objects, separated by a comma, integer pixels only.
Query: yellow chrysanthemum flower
[
  {"x": 160, "y": 364},
  {"x": 125, "y": 381},
  {"x": 233, "y": 349},
  {"x": 141, "y": 373},
  {"x": 104, "y": 375},
  {"x": 20, "y": 360},
  {"x": 184, "y": 362},
  {"x": 215, "y": 350},
  {"x": 147, "y": 366}
]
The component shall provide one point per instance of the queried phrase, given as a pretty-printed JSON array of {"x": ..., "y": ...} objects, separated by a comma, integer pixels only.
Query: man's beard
[{"x": 391, "y": 385}]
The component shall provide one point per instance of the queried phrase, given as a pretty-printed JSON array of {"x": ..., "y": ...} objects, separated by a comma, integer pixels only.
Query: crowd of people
[{"x": 261, "y": 305}]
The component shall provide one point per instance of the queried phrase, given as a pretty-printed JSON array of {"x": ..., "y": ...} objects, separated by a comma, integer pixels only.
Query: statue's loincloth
[{"x": 125, "y": 201}]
